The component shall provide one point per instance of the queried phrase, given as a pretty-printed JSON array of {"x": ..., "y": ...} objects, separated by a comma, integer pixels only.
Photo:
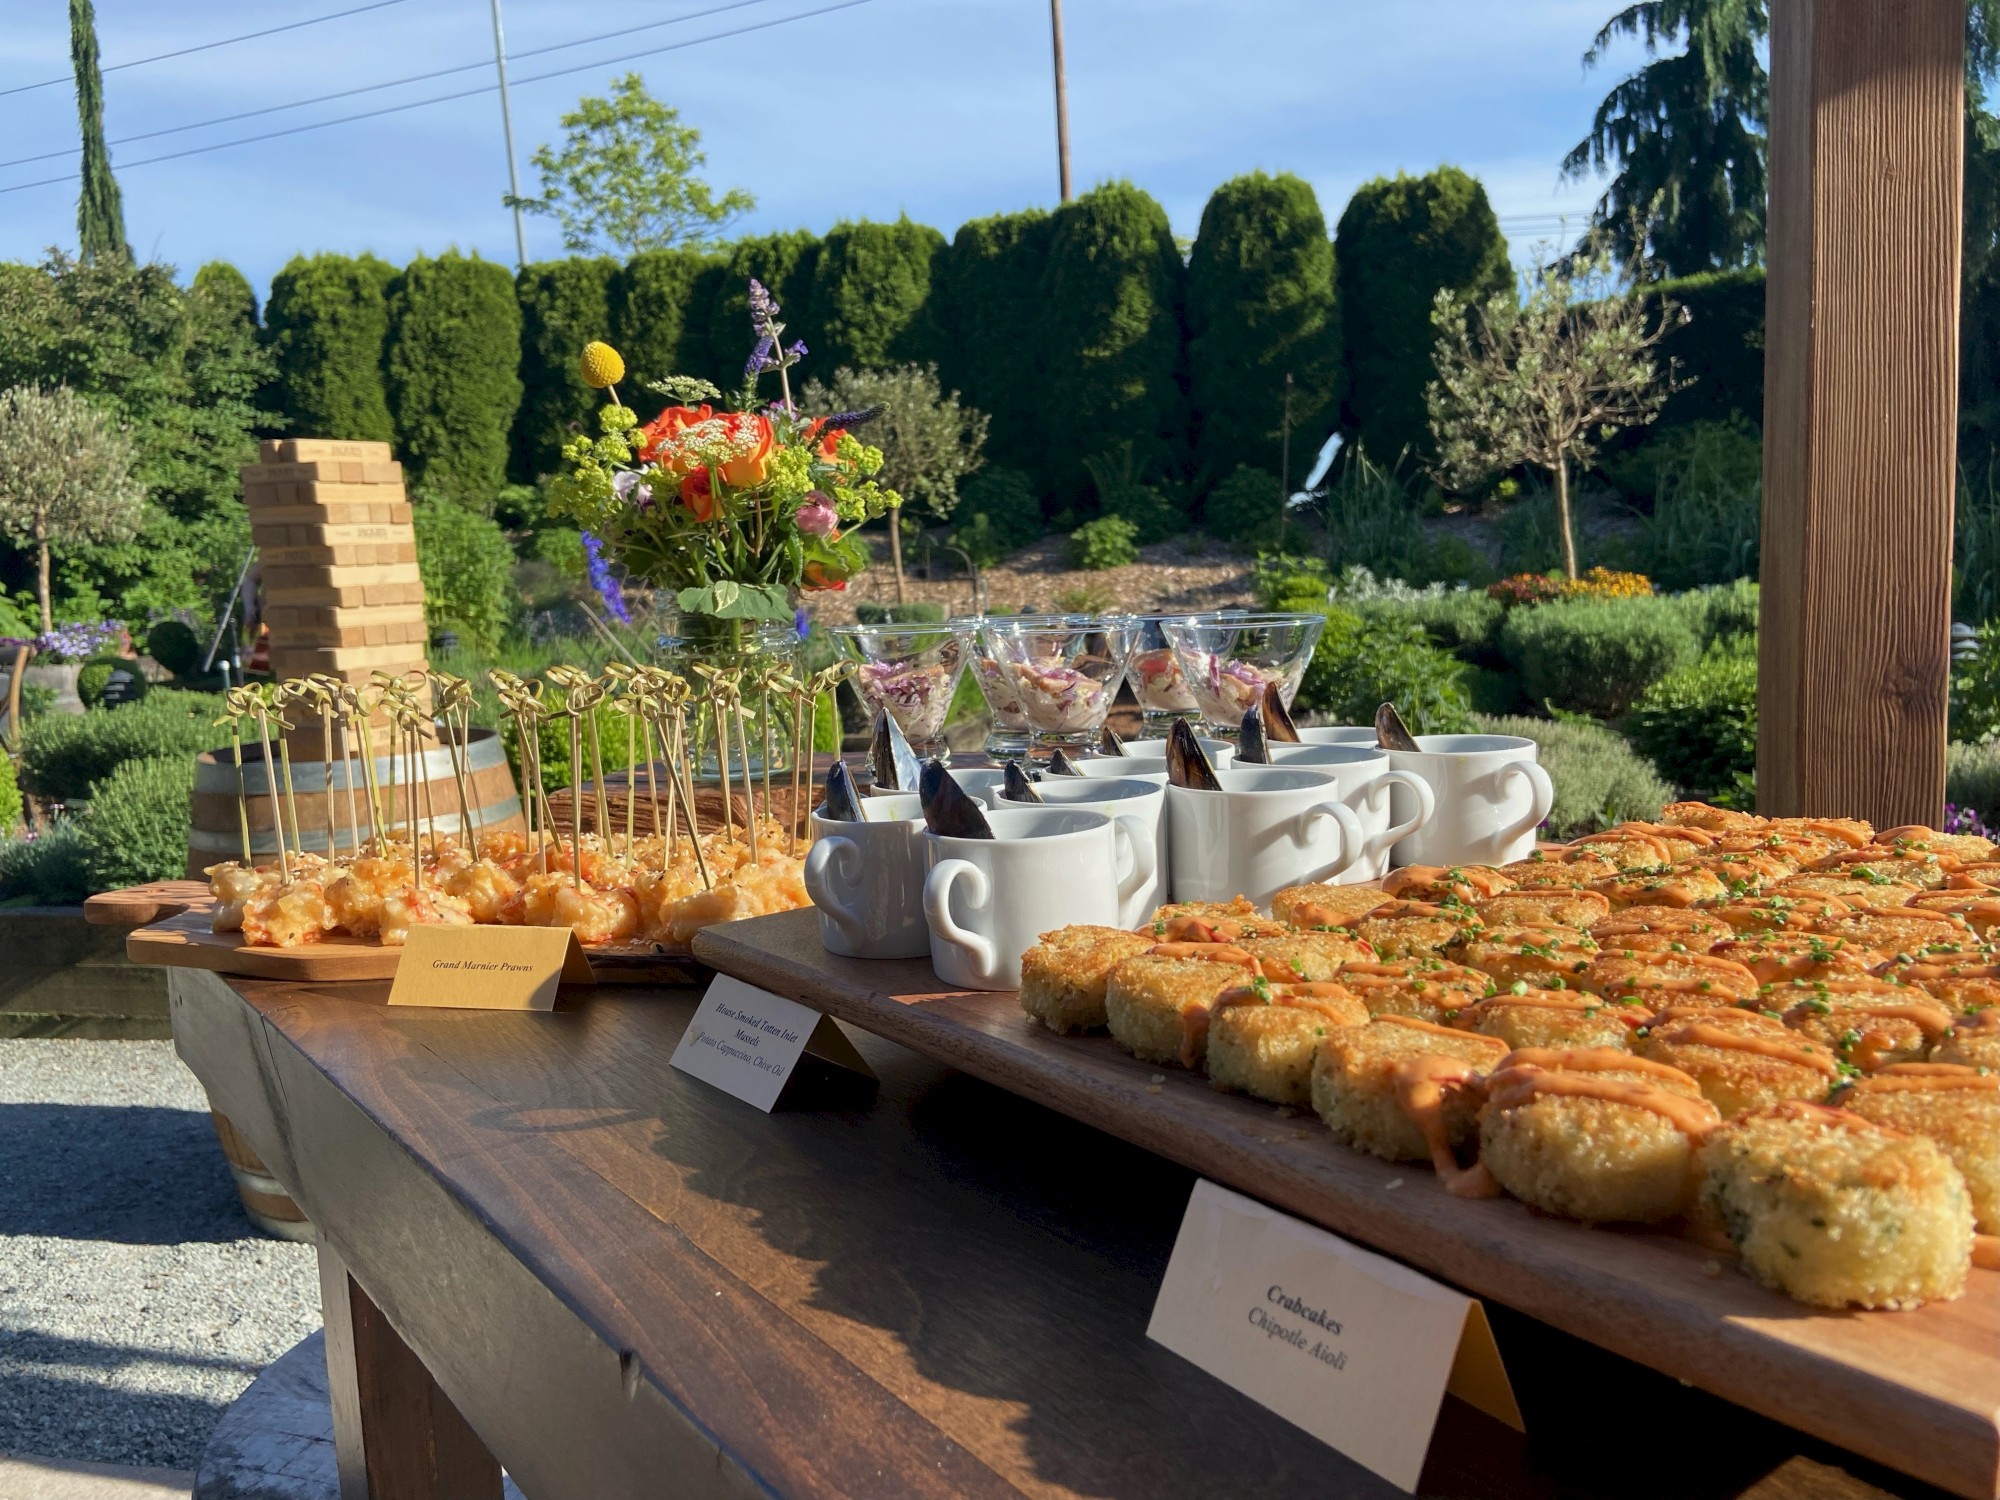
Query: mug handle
[
  {"x": 1127, "y": 828},
  {"x": 937, "y": 908},
  {"x": 1352, "y": 842},
  {"x": 1426, "y": 809},
  {"x": 819, "y": 881},
  {"x": 1544, "y": 795}
]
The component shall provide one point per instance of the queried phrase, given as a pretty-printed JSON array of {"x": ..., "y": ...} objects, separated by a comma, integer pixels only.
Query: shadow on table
[{"x": 130, "y": 1174}]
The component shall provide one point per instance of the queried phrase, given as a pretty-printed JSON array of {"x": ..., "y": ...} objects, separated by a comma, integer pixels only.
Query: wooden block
[
  {"x": 355, "y": 475},
  {"x": 305, "y": 450},
  {"x": 297, "y": 661}
]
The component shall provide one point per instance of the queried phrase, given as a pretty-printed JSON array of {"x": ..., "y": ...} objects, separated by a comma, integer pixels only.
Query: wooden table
[{"x": 543, "y": 1248}]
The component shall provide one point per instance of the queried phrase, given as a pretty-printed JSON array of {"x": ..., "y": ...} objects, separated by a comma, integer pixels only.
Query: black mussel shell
[
  {"x": 1110, "y": 742},
  {"x": 1251, "y": 746},
  {"x": 890, "y": 756},
  {"x": 1278, "y": 726},
  {"x": 1187, "y": 763},
  {"x": 1018, "y": 787},
  {"x": 840, "y": 804},
  {"x": 1061, "y": 765},
  {"x": 949, "y": 812}
]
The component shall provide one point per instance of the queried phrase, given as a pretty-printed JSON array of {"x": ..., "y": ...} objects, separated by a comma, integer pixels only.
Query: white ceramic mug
[
  {"x": 1364, "y": 779},
  {"x": 1338, "y": 734},
  {"x": 1267, "y": 828},
  {"x": 1139, "y": 806},
  {"x": 988, "y": 901},
  {"x": 867, "y": 880},
  {"x": 1491, "y": 797},
  {"x": 972, "y": 780},
  {"x": 1150, "y": 756}
]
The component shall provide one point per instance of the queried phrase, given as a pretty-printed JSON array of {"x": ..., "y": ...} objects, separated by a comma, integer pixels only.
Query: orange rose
[
  {"x": 831, "y": 441},
  {"x": 698, "y": 495},
  {"x": 751, "y": 467},
  {"x": 669, "y": 424},
  {"x": 816, "y": 578}
]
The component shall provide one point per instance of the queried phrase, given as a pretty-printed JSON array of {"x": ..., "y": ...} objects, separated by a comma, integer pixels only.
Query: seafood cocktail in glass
[
  {"x": 1064, "y": 673},
  {"x": 1008, "y": 732},
  {"x": 1228, "y": 660},
  {"x": 1156, "y": 676},
  {"x": 910, "y": 672}
]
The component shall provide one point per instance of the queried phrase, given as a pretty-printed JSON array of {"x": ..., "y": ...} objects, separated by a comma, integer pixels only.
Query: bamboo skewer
[
  {"x": 233, "y": 717},
  {"x": 284, "y": 694},
  {"x": 261, "y": 705}
]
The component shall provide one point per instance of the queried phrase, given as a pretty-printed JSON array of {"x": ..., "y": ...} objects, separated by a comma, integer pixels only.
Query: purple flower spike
[
  {"x": 802, "y": 622},
  {"x": 762, "y": 308},
  {"x": 760, "y": 357},
  {"x": 604, "y": 580},
  {"x": 798, "y": 349}
]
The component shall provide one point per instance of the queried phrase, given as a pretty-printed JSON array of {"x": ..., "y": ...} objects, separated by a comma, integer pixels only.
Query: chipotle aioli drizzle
[
  {"x": 1421, "y": 1083},
  {"x": 1515, "y": 1086},
  {"x": 1924, "y": 1078},
  {"x": 1791, "y": 1049}
]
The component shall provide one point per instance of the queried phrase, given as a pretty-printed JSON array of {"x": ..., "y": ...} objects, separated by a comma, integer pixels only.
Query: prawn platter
[{"x": 1913, "y": 1384}]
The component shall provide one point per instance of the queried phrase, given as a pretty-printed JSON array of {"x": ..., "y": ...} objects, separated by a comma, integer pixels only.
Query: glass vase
[{"x": 763, "y": 736}]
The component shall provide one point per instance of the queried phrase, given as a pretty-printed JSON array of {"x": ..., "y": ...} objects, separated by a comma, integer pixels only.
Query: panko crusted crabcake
[
  {"x": 1541, "y": 957},
  {"x": 1779, "y": 913},
  {"x": 1869, "y": 1023},
  {"x": 1544, "y": 871},
  {"x": 1974, "y": 1040},
  {"x": 1543, "y": 908},
  {"x": 1662, "y": 977},
  {"x": 1967, "y": 848},
  {"x": 1357, "y": 1090},
  {"x": 1307, "y": 956},
  {"x": 1465, "y": 883},
  {"x": 1158, "y": 1007},
  {"x": 1956, "y": 1106},
  {"x": 1776, "y": 957},
  {"x": 1525, "y": 1017},
  {"x": 1422, "y": 989},
  {"x": 1324, "y": 905},
  {"x": 1961, "y": 984},
  {"x": 1740, "y": 1059},
  {"x": 1677, "y": 885},
  {"x": 1063, "y": 977},
  {"x": 1643, "y": 929},
  {"x": 1262, "y": 1036},
  {"x": 1413, "y": 929}
]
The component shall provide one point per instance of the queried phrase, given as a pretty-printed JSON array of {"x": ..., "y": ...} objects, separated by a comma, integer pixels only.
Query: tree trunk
[
  {"x": 896, "y": 547},
  {"x": 22, "y": 655},
  {"x": 1562, "y": 515},
  {"x": 42, "y": 583}
]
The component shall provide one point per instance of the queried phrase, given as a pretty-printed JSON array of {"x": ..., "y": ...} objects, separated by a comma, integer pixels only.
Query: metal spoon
[{"x": 1390, "y": 732}]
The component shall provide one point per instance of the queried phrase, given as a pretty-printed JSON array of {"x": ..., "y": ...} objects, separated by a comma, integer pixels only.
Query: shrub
[
  {"x": 659, "y": 309},
  {"x": 175, "y": 646},
  {"x": 1247, "y": 509},
  {"x": 998, "y": 513},
  {"x": 10, "y": 797},
  {"x": 786, "y": 264},
  {"x": 1605, "y": 583},
  {"x": 1465, "y": 622},
  {"x": 1698, "y": 724},
  {"x": 871, "y": 292},
  {"x": 1400, "y": 242},
  {"x": 1153, "y": 517},
  {"x": 45, "y": 868},
  {"x": 137, "y": 829},
  {"x": 1707, "y": 516},
  {"x": 63, "y": 754},
  {"x": 1084, "y": 599},
  {"x": 95, "y": 675},
  {"x": 1524, "y": 589},
  {"x": 1596, "y": 655},
  {"x": 1372, "y": 521},
  {"x": 454, "y": 373},
  {"x": 1362, "y": 663},
  {"x": 1599, "y": 779},
  {"x": 1721, "y": 612},
  {"x": 468, "y": 571},
  {"x": 1719, "y": 349},
  {"x": 1260, "y": 308},
  {"x": 1295, "y": 584},
  {"x": 1975, "y": 690},
  {"x": 1972, "y": 779},
  {"x": 987, "y": 288},
  {"x": 1975, "y": 572},
  {"x": 914, "y": 613},
  {"x": 327, "y": 327},
  {"x": 564, "y": 305},
  {"x": 1107, "y": 542},
  {"x": 227, "y": 293}
]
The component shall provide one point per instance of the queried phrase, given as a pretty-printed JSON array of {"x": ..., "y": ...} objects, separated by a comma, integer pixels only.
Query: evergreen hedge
[
  {"x": 1110, "y": 336},
  {"x": 786, "y": 264},
  {"x": 1401, "y": 241},
  {"x": 467, "y": 566},
  {"x": 871, "y": 297},
  {"x": 327, "y": 327},
  {"x": 227, "y": 294},
  {"x": 1260, "y": 306},
  {"x": 1719, "y": 349},
  {"x": 658, "y": 316},
  {"x": 564, "y": 305},
  {"x": 453, "y": 368},
  {"x": 988, "y": 289}
]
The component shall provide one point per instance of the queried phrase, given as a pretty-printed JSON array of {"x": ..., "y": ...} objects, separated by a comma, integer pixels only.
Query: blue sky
[{"x": 938, "y": 108}]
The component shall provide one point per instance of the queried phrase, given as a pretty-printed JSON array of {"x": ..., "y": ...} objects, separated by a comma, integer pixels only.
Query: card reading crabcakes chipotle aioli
[{"x": 1347, "y": 1344}]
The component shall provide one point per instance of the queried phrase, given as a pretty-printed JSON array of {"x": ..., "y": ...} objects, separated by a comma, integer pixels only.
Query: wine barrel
[
  {"x": 215, "y": 835},
  {"x": 265, "y": 1201}
]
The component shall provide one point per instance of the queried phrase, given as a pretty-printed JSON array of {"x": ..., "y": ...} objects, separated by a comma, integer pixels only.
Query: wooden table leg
[{"x": 396, "y": 1435}]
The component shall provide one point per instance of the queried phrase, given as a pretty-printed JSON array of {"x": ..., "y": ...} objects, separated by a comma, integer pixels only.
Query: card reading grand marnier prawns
[{"x": 1347, "y": 1344}]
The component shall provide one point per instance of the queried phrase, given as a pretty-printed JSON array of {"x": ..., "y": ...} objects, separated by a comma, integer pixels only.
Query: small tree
[
  {"x": 929, "y": 442},
  {"x": 65, "y": 478},
  {"x": 1544, "y": 379},
  {"x": 624, "y": 180}
]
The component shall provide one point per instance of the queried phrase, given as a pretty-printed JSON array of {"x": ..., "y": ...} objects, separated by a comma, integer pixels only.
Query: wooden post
[
  {"x": 396, "y": 1435},
  {"x": 1860, "y": 406}
]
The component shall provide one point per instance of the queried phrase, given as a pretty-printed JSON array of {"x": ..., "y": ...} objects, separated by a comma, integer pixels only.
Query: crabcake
[
  {"x": 1239, "y": 908},
  {"x": 1776, "y": 957},
  {"x": 1967, "y": 848},
  {"x": 1261, "y": 1037},
  {"x": 1542, "y": 871},
  {"x": 1557, "y": 908},
  {"x": 1835, "y": 1211},
  {"x": 1960, "y": 985},
  {"x": 1958, "y": 1107},
  {"x": 1525, "y": 1017},
  {"x": 1974, "y": 1040},
  {"x": 1855, "y": 833},
  {"x": 1324, "y": 905},
  {"x": 1549, "y": 958},
  {"x": 1643, "y": 929},
  {"x": 1870, "y": 1023},
  {"x": 1307, "y": 956},
  {"x": 1854, "y": 890},
  {"x": 1593, "y": 1134},
  {"x": 1063, "y": 977},
  {"x": 1776, "y": 912},
  {"x": 1158, "y": 1007},
  {"x": 1681, "y": 885},
  {"x": 1632, "y": 849},
  {"x": 1978, "y": 907},
  {"x": 1423, "y": 989},
  {"x": 1190, "y": 928},
  {"x": 1413, "y": 929},
  {"x": 1664, "y": 977},
  {"x": 1355, "y": 1083},
  {"x": 1719, "y": 820},
  {"x": 1466, "y": 883},
  {"x": 1746, "y": 871},
  {"x": 1904, "y": 865},
  {"x": 1740, "y": 1059}
]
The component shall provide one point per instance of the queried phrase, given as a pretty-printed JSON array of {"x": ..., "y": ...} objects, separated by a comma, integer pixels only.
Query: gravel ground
[{"x": 135, "y": 1300}]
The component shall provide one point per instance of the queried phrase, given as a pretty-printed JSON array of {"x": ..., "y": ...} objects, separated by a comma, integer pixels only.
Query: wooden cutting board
[{"x": 1919, "y": 1391}]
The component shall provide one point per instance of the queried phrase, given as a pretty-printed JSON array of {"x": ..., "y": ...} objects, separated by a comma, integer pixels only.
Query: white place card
[
  {"x": 747, "y": 1042},
  {"x": 1347, "y": 1344}
]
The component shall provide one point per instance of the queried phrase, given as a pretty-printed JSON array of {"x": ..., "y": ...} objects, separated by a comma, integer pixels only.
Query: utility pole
[
  {"x": 507, "y": 128},
  {"x": 1062, "y": 97}
]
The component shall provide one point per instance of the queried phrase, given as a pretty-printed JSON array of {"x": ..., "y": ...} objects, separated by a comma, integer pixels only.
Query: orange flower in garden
[
  {"x": 815, "y": 578},
  {"x": 698, "y": 495},
  {"x": 831, "y": 441},
  {"x": 753, "y": 429},
  {"x": 667, "y": 425}
]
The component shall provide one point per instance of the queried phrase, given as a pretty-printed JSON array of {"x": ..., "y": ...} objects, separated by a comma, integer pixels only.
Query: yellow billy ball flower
[{"x": 601, "y": 364}]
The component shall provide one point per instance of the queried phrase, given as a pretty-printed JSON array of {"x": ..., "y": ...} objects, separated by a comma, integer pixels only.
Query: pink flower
[{"x": 817, "y": 516}]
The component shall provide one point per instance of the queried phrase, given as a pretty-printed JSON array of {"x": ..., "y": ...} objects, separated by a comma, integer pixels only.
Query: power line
[
  {"x": 393, "y": 83},
  {"x": 392, "y": 109},
  {"x": 228, "y": 41}
]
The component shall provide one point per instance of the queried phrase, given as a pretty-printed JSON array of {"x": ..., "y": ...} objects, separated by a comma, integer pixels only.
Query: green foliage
[
  {"x": 1298, "y": 585},
  {"x": 987, "y": 287},
  {"x": 916, "y": 612},
  {"x": 63, "y": 754},
  {"x": 1972, "y": 778},
  {"x": 929, "y": 442},
  {"x": 1598, "y": 778},
  {"x": 1107, "y": 542},
  {"x": 1698, "y": 724},
  {"x": 1719, "y": 349},
  {"x": 137, "y": 828},
  {"x": 175, "y": 646},
  {"x": 227, "y": 295},
  {"x": 998, "y": 513},
  {"x": 826, "y": 724},
  {"x": 453, "y": 369},
  {"x": 658, "y": 309},
  {"x": 1362, "y": 663},
  {"x": 564, "y": 305},
  {"x": 100, "y": 214},
  {"x": 95, "y": 673},
  {"x": 624, "y": 180},
  {"x": 1260, "y": 308},
  {"x": 327, "y": 328},
  {"x": 1465, "y": 622},
  {"x": 1246, "y": 509},
  {"x": 1722, "y": 613},
  {"x": 1369, "y": 519},
  {"x": 66, "y": 478},
  {"x": 786, "y": 265},
  {"x": 1596, "y": 656},
  {"x": 468, "y": 571},
  {"x": 1975, "y": 689},
  {"x": 10, "y": 797},
  {"x": 1400, "y": 242},
  {"x": 871, "y": 295},
  {"x": 1707, "y": 516},
  {"x": 1152, "y": 516},
  {"x": 46, "y": 868},
  {"x": 1110, "y": 334},
  {"x": 1975, "y": 572}
]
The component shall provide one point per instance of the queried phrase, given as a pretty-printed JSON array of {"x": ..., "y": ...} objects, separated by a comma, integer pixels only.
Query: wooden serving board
[{"x": 1917, "y": 1390}]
